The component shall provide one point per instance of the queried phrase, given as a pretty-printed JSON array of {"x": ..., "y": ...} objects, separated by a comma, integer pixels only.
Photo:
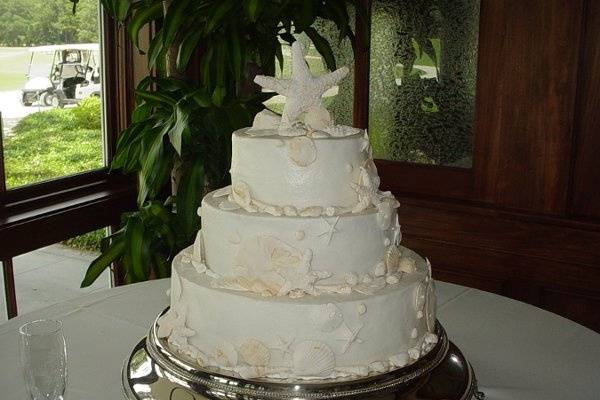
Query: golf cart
[{"x": 74, "y": 75}]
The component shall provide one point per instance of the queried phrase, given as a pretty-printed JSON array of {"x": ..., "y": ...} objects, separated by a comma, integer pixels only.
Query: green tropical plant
[{"x": 178, "y": 143}]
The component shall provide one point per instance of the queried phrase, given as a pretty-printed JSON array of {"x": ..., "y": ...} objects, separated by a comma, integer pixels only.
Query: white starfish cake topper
[{"x": 303, "y": 91}]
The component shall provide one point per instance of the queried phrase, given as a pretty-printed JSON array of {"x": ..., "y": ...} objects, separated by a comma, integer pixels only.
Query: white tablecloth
[{"x": 518, "y": 351}]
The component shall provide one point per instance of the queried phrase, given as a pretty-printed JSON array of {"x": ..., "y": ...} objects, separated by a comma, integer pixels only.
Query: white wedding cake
[{"x": 298, "y": 272}]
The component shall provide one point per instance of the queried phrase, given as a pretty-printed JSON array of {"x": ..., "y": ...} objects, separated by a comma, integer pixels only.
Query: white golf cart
[{"x": 74, "y": 74}]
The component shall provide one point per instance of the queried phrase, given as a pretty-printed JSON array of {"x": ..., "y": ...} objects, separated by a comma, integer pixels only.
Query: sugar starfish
[{"x": 303, "y": 91}]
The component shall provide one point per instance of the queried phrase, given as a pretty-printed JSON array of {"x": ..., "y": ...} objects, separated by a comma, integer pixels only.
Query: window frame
[{"x": 94, "y": 198}]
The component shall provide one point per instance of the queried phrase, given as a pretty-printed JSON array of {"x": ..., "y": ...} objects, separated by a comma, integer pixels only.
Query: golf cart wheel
[
  {"x": 46, "y": 99},
  {"x": 55, "y": 101}
]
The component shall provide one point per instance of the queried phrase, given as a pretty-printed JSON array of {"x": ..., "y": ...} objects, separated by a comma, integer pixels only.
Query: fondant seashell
[
  {"x": 384, "y": 215},
  {"x": 430, "y": 308},
  {"x": 290, "y": 211},
  {"x": 392, "y": 258},
  {"x": 414, "y": 353},
  {"x": 361, "y": 308},
  {"x": 431, "y": 338},
  {"x": 198, "y": 250},
  {"x": 227, "y": 205},
  {"x": 313, "y": 211},
  {"x": 225, "y": 355},
  {"x": 366, "y": 278},
  {"x": 392, "y": 279},
  {"x": 351, "y": 278},
  {"x": 329, "y": 211},
  {"x": 419, "y": 294},
  {"x": 399, "y": 360},
  {"x": 414, "y": 333},
  {"x": 312, "y": 358},
  {"x": 254, "y": 352},
  {"x": 318, "y": 118},
  {"x": 380, "y": 269},
  {"x": 386, "y": 242},
  {"x": 302, "y": 151},
  {"x": 407, "y": 265},
  {"x": 226, "y": 191},
  {"x": 241, "y": 193},
  {"x": 378, "y": 367},
  {"x": 327, "y": 318}
]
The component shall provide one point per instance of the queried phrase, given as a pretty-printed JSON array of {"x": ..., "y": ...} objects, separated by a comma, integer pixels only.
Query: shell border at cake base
[{"x": 153, "y": 371}]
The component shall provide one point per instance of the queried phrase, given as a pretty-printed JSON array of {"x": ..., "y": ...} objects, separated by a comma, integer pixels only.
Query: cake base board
[{"x": 152, "y": 372}]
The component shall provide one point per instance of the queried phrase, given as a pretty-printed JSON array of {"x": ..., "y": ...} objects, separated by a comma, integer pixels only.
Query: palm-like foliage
[{"x": 182, "y": 129}]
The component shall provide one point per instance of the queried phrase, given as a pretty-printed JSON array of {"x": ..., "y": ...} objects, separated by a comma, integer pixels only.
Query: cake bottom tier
[{"x": 312, "y": 338}]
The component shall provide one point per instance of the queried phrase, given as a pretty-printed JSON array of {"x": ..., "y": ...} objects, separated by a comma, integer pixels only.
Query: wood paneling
[
  {"x": 548, "y": 262},
  {"x": 527, "y": 78},
  {"x": 586, "y": 171}
]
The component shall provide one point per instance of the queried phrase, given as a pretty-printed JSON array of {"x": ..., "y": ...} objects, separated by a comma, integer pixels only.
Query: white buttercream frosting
[
  {"x": 308, "y": 338},
  {"x": 298, "y": 272}
]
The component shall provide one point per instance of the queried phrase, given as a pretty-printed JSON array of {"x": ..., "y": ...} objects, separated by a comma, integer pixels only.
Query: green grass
[
  {"x": 14, "y": 64},
  {"x": 54, "y": 143},
  {"x": 89, "y": 241}
]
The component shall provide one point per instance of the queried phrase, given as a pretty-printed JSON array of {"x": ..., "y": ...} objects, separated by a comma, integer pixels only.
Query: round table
[{"x": 518, "y": 351}]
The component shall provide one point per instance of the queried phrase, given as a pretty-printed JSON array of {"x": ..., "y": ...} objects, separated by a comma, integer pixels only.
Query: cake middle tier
[
  {"x": 347, "y": 247},
  {"x": 298, "y": 171}
]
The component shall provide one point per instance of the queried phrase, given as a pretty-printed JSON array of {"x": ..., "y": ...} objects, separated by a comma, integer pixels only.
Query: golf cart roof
[{"x": 58, "y": 47}]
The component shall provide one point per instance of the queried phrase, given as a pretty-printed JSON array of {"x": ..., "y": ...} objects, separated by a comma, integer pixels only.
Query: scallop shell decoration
[
  {"x": 254, "y": 352},
  {"x": 408, "y": 265},
  {"x": 227, "y": 205},
  {"x": 302, "y": 151},
  {"x": 327, "y": 318},
  {"x": 420, "y": 296},
  {"x": 312, "y": 358},
  {"x": 392, "y": 258},
  {"x": 226, "y": 355},
  {"x": 384, "y": 215},
  {"x": 430, "y": 307}
]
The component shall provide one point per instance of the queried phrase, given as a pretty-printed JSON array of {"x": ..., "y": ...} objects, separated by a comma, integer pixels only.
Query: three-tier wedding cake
[{"x": 298, "y": 272}]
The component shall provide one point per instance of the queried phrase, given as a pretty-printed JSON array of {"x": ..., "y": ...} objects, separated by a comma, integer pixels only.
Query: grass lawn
[
  {"x": 53, "y": 143},
  {"x": 14, "y": 64}
]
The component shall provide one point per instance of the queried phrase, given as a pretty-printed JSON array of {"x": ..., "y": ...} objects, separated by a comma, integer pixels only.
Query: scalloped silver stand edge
[{"x": 152, "y": 371}]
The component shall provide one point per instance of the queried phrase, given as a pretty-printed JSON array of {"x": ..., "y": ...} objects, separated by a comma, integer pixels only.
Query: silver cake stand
[{"x": 152, "y": 371}]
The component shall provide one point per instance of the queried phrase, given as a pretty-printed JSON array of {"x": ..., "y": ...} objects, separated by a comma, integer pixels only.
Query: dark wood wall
[{"x": 525, "y": 220}]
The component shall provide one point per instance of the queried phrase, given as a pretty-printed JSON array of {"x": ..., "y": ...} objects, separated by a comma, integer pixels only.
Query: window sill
[{"x": 36, "y": 216}]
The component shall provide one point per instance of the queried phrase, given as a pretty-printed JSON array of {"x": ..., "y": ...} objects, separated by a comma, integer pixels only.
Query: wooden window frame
[{"x": 44, "y": 213}]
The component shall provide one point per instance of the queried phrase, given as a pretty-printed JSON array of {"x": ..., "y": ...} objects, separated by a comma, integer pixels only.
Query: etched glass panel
[{"x": 422, "y": 80}]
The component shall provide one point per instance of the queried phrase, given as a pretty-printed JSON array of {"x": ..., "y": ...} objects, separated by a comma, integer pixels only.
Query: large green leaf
[
  {"x": 141, "y": 17},
  {"x": 138, "y": 249},
  {"x": 103, "y": 261},
  {"x": 252, "y": 9},
  {"x": 182, "y": 117},
  {"x": 322, "y": 46},
  {"x": 174, "y": 21},
  {"x": 186, "y": 48},
  {"x": 189, "y": 196},
  {"x": 150, "y": 175},
  {"x": 121, "y": 9},
  {"x": 218, "y": 14}
]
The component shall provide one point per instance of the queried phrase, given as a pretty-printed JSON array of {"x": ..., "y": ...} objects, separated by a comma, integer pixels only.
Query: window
[
  {"x": 422, "y": 80},
  {"x": 50, "y": 90},
  {"x": 69, "y": 201}
]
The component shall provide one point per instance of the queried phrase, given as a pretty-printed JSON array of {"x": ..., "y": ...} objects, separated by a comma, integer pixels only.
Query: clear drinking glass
[{"x": 44, "y": 359}]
